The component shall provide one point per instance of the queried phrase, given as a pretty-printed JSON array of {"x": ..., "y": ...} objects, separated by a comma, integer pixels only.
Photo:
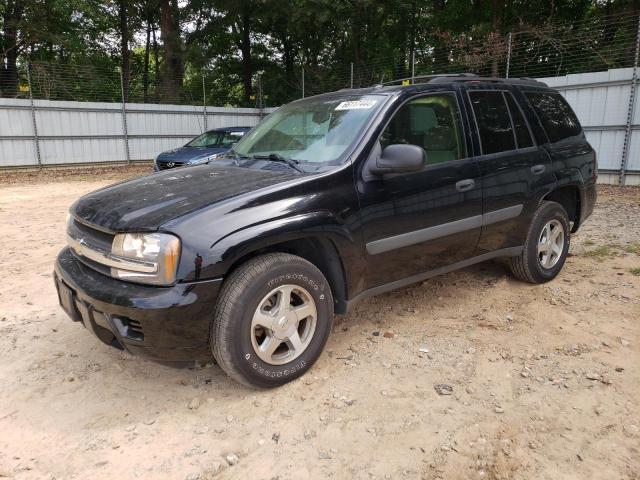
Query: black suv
[{"x": 329, "y": 200}]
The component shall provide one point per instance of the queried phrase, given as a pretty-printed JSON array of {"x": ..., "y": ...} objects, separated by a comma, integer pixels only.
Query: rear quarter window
[{"x": 557, "y": 117}]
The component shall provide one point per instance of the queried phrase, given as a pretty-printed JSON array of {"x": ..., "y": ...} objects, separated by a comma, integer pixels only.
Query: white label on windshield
[
  {"x": 356, "y": 105},
  {"x": 236, "y": 134}
]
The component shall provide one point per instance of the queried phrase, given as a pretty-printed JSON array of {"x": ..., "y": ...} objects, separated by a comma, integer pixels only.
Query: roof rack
[
  {"x": 423, "y": 78},
  {"x": 463, "y": 77}
]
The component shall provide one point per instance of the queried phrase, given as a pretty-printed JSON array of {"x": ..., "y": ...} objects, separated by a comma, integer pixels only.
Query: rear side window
[
  {"x": 556, "y": 115},
  {"x": 523, "y": 135},
  {"x": 494, "y": 122}
]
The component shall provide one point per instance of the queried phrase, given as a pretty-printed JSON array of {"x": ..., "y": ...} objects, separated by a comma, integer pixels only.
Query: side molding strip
[
  {"x": 501, "y": 215},
  {"x": 438, "y": 231},
  {"x": 424, "y": 235},
  {"x": 504, "y": 252}
]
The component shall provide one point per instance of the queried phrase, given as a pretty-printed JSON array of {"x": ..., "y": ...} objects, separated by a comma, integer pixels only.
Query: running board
[{"x": 504, "y": 252}]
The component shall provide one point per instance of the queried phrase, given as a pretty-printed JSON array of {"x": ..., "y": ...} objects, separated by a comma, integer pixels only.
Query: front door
[{"x": 419, "y": 221}]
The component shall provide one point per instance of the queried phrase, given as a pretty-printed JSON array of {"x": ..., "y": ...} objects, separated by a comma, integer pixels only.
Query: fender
[
  {"x": 567, "y": 177},
  {"x": 227, "y": 251},
  {"x": 572, "y": 177}
]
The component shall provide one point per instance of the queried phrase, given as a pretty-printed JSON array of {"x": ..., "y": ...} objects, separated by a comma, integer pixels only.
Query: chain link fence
[
  {"x": 597, "y": 44},
  {"x": 553, "y": 50}
]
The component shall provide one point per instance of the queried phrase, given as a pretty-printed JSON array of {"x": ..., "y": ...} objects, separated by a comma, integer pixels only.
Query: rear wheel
[
  {"x": 272, "y": 320},
  {"x": 546, "y": 247}
]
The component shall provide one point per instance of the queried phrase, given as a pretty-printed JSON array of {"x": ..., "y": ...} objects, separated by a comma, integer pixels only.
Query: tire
[
  {"x": 533, "y": 266},
  {"x": 247, "y": 301}
]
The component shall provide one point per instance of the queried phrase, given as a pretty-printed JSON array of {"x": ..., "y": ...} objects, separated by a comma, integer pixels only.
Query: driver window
[{"x": 431, "y": 122}]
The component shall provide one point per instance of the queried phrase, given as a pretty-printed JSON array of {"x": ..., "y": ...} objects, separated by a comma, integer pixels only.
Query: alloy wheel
[
  {"x": 283, "y": 324},
  {"x": 551, "y": 244}
]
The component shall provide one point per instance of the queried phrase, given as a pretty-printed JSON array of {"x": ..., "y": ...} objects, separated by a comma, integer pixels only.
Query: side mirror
[{"x": 399, "y": 158}]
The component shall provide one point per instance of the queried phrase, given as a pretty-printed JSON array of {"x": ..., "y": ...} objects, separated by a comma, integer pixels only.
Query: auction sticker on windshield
[{"x": 356, "y": 105}]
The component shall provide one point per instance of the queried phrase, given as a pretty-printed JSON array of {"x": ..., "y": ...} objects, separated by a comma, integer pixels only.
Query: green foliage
[
  {"x": 601, "y": 253},
  {"x": 633, "y": 247},
  {"x": 75, "y": 46}
]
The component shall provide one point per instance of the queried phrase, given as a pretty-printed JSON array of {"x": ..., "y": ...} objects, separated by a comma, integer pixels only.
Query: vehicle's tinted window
[
  {"x": 492, "y": 117},
  {"x": 523, "y": 135},
  {"x": 556, "y": 115},
  {"x": 218, "y": 138},
  {"x": 431, "y": 122}
]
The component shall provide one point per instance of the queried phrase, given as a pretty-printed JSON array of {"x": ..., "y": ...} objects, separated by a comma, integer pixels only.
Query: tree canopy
[{"x": 242, "y": 52}]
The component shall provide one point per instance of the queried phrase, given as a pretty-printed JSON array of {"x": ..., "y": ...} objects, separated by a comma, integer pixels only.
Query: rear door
[
  {"x": 515, "y": 170},
  {"x": 573, "y": 158},
  {"x": 419, "y": 221}
]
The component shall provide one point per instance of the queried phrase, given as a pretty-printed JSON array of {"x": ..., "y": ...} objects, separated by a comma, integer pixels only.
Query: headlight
[{"x": 147, "y": 257}]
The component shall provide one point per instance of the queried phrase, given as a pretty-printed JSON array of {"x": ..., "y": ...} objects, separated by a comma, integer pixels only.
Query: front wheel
[
  {"x": 546, "y": 247},
  {"x": 272, "y": 320}
]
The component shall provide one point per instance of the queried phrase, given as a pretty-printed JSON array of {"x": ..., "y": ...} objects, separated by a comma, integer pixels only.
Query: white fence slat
[{"x": 91, "y": 132}]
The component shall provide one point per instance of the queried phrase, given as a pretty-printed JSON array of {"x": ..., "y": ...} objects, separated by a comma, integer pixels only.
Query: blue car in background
[{"x": 202, "y": 149}]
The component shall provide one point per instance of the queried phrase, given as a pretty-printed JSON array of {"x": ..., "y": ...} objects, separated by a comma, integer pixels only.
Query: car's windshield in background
[
  {"x": 314, "y": 130},
  {"x": 216, "y": 139}
]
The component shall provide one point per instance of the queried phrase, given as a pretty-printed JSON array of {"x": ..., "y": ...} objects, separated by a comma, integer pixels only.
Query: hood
[
  {"x": 145, "y": 203},
  {"x": 189, "y": 154}
]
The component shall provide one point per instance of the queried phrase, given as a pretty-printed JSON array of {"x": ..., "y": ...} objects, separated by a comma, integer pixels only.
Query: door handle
[
  {"x": 465, "y": 185},
  {"x": 538, "y": 169}
]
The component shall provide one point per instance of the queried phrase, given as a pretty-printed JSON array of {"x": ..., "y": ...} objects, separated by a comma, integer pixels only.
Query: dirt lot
[{"x": 545, "y": 379}]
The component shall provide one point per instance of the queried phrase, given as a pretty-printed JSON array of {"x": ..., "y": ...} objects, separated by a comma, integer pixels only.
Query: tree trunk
[
  {"x": 412, "y": 36},
  {"x": 495, "y": 61},
  {"x": 247, "y": 61},
  {"x": 441, "y": 49},
  {"x": 156, "y": 65},
  {"x": 172, "y": 66},
  {"x": 357, "y": 28},
  {"x": 123, "y": 14},
  {"x": 145, "y": 74},
  {"x": 9, "y": 53}
]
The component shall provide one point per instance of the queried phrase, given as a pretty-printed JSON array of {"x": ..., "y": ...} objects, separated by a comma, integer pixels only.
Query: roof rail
[
  {"x": 513, "y": 80},
  {"x": 464, "y": 76},
  {"x": 421, "y": 78}
]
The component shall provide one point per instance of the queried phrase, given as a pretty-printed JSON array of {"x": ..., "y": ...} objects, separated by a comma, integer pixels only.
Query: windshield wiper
[
  {"x": 231, "y": 153},
  {"x": 236, "y": 154},
  {"x": 276, "y": 157}
]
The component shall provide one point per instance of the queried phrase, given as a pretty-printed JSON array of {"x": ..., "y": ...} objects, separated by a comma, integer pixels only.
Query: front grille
[
  {"x": 168, "y": 165},
  {"x": 92, "y": 238},
  {"x": 104, "y": 269},
  {"x": 94, "y": 249}
]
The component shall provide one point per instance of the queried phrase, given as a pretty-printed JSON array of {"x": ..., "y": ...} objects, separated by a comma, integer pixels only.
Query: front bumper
[{"x": 163, "y": 323}]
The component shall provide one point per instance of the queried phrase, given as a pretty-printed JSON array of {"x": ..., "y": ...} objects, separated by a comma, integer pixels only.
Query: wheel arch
[
  {"x": 318, "y": 237},
  {"x": 317, "y": 250},
  {"x": 570, "y": 197}
]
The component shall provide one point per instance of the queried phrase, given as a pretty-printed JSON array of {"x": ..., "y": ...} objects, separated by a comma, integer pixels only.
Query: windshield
[
  {"x": 216, "y": 139},
  {"x": 314, "y": 130}
]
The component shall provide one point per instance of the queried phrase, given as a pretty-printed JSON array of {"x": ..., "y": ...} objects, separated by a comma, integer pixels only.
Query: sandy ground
[{"x": 545, "y": 380}]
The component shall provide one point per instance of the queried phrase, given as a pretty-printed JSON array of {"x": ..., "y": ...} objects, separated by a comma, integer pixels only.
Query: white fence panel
[
  {"x": 16, "y": 131},
  {"x": 77, "y": 132},
  {"x": 17, "y": 152},
  {"x": 91, "y": 132}
]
